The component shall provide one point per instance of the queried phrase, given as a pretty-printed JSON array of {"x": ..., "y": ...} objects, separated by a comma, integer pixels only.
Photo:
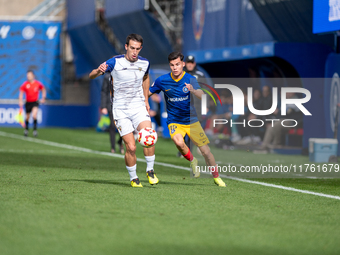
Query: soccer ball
[{"x": 147, "y": 137}]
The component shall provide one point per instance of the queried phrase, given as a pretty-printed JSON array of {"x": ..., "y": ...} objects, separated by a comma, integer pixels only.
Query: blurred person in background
[
  {"x": 191, "y": 68},
  {"x": 267, "y": 101},
  {"x": 223, "y": 111},
  {"x": 274, "y": 132},
  {"x": 251, "y": 134},
  {"x": 106, "y": 109},
  {"x": 31, "y": 88}
]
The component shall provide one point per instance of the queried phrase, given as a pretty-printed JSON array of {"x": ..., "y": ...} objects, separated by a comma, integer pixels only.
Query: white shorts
[{"x": 127, "y": 120}]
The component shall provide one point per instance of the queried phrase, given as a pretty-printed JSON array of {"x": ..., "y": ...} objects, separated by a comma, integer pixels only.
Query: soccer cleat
[
  {"x": 135, "y": 183},
  {"x": 35, "y": 133},
  {"x": 25, "y": 132},
  {"x": 152, "y": 177},
  {"x": 219, "y": 182},
  {"x": 195, "y": 170}
]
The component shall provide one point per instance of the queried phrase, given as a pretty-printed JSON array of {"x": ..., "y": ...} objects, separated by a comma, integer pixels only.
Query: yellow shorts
[{"x": 194, "y": 131}]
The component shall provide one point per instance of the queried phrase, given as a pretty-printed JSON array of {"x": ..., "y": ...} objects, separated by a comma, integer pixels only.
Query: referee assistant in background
[{"x": 31, "y": 88}]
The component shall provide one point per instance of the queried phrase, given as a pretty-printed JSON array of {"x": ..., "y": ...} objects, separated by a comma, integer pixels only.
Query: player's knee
[
  {"x": 131, "y": 148},
  {"x": 179, "y": 142},
  {"x": 205, "y": 151}
]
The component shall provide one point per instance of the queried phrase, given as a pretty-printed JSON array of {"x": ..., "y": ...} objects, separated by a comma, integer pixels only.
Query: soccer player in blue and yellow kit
[{"x": 182, "y": 118}]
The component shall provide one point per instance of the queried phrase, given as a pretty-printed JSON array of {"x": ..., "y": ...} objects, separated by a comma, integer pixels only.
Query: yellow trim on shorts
[{"x": 194, "y": 131}]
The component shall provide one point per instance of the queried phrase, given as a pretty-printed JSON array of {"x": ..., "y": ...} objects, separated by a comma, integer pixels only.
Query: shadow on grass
[
  {"x": 180, "y": 183},
  {"x": 117, "y": 183},
  {"x": 125, "y": 184},
  {"x": 86, "y": 162}
]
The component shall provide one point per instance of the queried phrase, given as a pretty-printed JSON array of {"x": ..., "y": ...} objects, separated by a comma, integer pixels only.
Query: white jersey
[{"x": 127, "y": 81}]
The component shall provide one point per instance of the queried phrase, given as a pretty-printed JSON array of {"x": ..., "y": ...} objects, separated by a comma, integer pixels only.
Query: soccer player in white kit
[{"x": 130, "y": 106}]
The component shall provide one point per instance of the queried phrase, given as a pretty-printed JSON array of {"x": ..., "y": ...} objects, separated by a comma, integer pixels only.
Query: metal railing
[{"x": 46, "y": 8}]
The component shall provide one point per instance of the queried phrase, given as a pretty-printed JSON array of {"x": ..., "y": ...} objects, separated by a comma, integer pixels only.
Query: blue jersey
[{"x": 177, "y": 97}]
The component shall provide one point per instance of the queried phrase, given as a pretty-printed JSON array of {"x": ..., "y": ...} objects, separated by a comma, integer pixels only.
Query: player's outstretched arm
[
  {"x": 98, "y": 71},
  {"x": 150, "y": 94},
  {"x": 197, "y": 92}
]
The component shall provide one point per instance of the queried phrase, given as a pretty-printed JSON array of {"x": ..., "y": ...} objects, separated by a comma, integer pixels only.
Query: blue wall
[
  {"x": 231, "y": 23},
  {"x": 90, "y": 47},
  {"x": 116, "y": 8},
  {"x": 29, "y": 45},
  {"x": 156, "y": 46},
  {"x": 290, "y": 21},
  {"x": 332, "y": 94}
]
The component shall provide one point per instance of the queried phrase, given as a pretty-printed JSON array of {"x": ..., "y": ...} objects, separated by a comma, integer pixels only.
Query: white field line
[{"x": 60, "y": 145}]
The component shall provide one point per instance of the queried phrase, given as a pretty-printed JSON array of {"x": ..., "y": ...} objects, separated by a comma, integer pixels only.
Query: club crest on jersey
[
  {"x": 140, "y": 69},
  {"x": 185, "y": 90}
]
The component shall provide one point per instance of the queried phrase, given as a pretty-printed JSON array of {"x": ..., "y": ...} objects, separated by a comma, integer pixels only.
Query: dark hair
[
  {"x": 134, "y": 37},
  {"x": 30, "y": 71},
  {"x": 174, "y": 55}
]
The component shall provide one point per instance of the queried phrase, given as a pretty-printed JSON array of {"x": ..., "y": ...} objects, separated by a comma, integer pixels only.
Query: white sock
[
  {"x": 150, "y": 161},
  {"x": 132, "y": 172}
]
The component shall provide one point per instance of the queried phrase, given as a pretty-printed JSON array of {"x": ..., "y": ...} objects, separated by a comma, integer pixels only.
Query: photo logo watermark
[{"x": 238, "y": 104}]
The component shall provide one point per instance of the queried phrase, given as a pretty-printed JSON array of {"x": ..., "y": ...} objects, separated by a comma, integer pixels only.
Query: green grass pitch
[{"x": 64, "y": 201}]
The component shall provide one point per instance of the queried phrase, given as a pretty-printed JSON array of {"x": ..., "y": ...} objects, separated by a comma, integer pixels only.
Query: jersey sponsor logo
[
  {"x": 178, "y": 99},
  {"x": 185, "y": 90},
  {"x": 198, "y": 16}
]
